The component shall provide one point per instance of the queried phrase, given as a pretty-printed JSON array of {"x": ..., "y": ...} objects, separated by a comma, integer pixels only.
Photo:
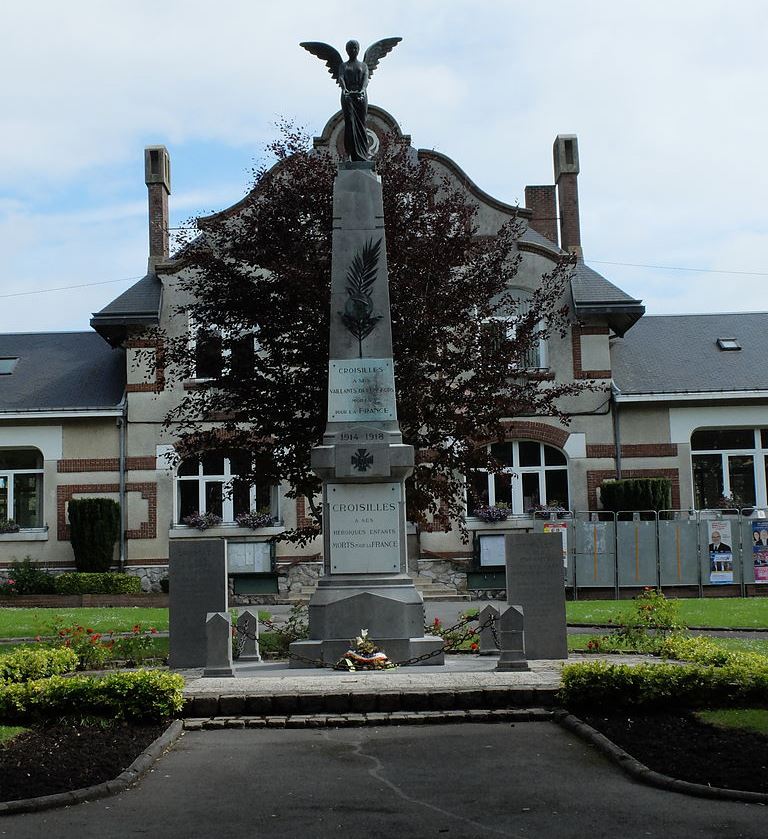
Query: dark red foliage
[{"x": 265, "y": 270}]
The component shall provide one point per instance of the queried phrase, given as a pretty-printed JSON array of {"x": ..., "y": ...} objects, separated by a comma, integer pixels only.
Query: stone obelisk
[{"x": 363, "y": 462}]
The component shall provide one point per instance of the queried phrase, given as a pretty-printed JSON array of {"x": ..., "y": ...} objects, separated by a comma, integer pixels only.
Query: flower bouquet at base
[{"x": 364, "y": 655}]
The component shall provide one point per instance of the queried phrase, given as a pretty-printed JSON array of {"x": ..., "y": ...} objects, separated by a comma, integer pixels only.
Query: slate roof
[
  {"x": 61, "y": 370},
  {"x": 137, "y": 306},
  {"x": 679, "y": 354}
]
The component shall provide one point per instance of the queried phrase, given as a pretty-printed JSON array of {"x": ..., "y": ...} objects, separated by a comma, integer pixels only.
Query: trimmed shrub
[
  {"x": 29, "y": 663},
  {"x": 94, "y": 525},
  {"x": 637, "y": 494},
  {"x": 83, "y": 582},
  {"x": 31, "y": 580},
  {"x": 598, "y": 684},
  {"x": 142, "y": 695}
]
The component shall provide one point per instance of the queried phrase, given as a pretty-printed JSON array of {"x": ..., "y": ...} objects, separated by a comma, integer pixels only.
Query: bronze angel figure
[{"x": 352, "y": 77}]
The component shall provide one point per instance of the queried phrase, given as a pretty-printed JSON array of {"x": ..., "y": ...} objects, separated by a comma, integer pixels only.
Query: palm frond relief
[{"x": 358, "y": 316}]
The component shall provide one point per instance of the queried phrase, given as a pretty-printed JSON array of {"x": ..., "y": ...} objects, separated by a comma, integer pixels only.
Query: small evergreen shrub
[
  {"x": 142, "y": 695},
  {"x": 27, "y": 663},
  {"x": 27, "y": 579},
  {"x": 94, "y": 525},
  {"x": 637, "y": 494},
  {"x": 102, "y": 583}
]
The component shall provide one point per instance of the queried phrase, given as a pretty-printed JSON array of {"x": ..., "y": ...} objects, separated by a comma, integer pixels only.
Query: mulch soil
[
  {"x": 62, "y": 757},
  {"x": 680, "y": 745}
]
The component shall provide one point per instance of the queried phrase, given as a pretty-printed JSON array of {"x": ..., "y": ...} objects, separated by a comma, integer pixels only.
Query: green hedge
[
  {"x": 28, "y": 663},
  {"x": 94, "y": 525},
  {"x": 598, "y": 684},
  {"x": 150, "y": 695},
  {"x": 637, "y": 494},
  {"x": 81, "y": 582}
]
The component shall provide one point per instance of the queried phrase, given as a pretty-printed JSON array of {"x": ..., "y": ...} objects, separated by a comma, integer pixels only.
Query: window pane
[
  {"x": 530, "y": 453},
  {"x": 191, "y": 466},
  {"x": 741, "y": 471},
  {"x": 556, "y": 484},
  {"x": 764, "y": 437},
  {"x": 208, "y": 359},
  {"x": 241, "y": 498},
  {"x": 530, "y": 490},
  {"x": 554, "y": 457},
  {"x": 493, "y": 334},
  {"x": 188, "y": 502},
  {"x": 477, "y": 491},
  {"x": 239, "y": 463},
  {"x": 242, "y": 356},
  {"x": 502, "y": 452},
  {"x": 503, "y": 486},
  {"x": 20, "y": 459},
  {"x": 4, "y": 498},
  {"x": 28, "y": 500},
  {"x": 213, "y": 463},
  {"x": 707, "y": 480},
  {"x": 214, "y": 495},
  {"x": 717, "y": 439}
]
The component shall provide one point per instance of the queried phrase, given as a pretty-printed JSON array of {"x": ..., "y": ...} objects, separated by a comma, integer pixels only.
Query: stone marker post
[
  {"x": 512, "y": 640},
  {"x": 486, "y": 633},
  {"x": 363, "y": 462},
  {"x": 248, "y": 636},
  {"x": 218, "y": 632}
]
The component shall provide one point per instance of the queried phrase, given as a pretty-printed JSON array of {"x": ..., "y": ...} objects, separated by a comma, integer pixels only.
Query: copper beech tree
[{"x": 257, "y": 282}]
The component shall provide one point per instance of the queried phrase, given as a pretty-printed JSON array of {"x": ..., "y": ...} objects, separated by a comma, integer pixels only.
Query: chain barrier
[{"x": 450, "y": 644}]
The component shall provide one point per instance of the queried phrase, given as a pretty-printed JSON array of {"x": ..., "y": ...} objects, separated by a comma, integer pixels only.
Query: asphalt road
[{"x": 468, "y": 780}]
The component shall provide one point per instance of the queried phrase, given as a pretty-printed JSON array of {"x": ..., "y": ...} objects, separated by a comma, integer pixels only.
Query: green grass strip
[
  {"x": 27, "y": 623},
  {"x": 711, "y": 611},
  {"x": 747, "y": 719},
  {"x": 8, "y": 732}
]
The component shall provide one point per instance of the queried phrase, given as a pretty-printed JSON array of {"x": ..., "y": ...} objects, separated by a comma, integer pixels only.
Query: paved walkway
[{"x": 473, "y": 780}]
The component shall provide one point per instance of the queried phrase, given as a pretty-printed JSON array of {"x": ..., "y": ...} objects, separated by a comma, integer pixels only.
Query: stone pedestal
[
  {"x": 218, "y": 636},
  {"x": 535, "y": 581},
  {"x": 248, "y": 636},
  {"x": 512, "y": 640},
  {"x": 486, "y": 633},
  {"x": 362, "y": 460}
]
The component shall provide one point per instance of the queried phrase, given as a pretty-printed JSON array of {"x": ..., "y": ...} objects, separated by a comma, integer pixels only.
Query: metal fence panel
[
  {"x": 754, "y": 547},
  {"x": 594, "y": 553},
  {"x": 679, "y": 551},
  {"x": 562, "y": 524},
  {"x": 637, "y": 556}
]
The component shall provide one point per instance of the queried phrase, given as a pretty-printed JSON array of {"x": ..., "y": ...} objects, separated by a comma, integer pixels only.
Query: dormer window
[
  {"x": 7, "y": 365},
  {"x": 728, "y": 344}
]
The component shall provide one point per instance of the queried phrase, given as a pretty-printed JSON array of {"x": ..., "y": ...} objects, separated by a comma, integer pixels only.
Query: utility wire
[
  {"x": 595, "y": 261},
  {"x": 67, "y": 287}
]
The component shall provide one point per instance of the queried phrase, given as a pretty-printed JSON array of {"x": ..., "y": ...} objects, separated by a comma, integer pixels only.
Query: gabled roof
[
  {"x": 668, "y": 354},
  {"x": 66, "y": 371},
  {"x": 594, "y": 295},
  {"x": 137, "y": 306}
]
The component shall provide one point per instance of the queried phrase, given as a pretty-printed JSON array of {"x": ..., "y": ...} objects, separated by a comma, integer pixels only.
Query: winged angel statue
[{"x": 352, "y": 77}]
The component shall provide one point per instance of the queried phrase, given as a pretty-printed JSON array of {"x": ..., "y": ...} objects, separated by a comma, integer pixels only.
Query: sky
[{"x": 667, "y": 100}]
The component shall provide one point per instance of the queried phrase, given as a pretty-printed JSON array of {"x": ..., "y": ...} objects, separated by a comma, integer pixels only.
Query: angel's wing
[
  {"x": 377, "y": 51},
  {"x": 327, "y": 53}
]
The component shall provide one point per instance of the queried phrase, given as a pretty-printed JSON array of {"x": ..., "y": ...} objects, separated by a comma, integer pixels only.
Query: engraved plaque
[
  {"x": 361, "y": 389},
  {"x": 364, "y": 527}
]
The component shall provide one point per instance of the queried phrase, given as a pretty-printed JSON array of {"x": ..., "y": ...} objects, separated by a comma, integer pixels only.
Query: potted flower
[
  {"x": 497, "y": 512},
  {"x": 254, "y": 519},
  {"x": 544, "y": 510},
  {"x": 202, "y": 521},
  {"x": 8, "y": 526}
]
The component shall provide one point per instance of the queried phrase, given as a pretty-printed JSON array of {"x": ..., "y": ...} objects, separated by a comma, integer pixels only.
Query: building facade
[{"x": 81, "y": 414}]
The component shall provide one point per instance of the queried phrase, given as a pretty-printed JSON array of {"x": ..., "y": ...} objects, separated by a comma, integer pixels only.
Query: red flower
[
  {"x": 89, "y": 631},
  {"x": 153, "y": 630},
  {"x": 136, "y": 628},
  {"x": 474, "y": 647}
]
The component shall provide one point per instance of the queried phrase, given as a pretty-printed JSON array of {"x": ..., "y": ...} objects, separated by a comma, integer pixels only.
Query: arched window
[
  {"x": 21, "y": 487},
  {"x": 205, "y": 484},
  {"x": 534, "y": 474}
]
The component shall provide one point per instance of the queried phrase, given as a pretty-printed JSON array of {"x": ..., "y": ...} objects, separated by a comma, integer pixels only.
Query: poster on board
[
  {"x": 562, "y": 528},
  {"x": 760, "y": 550},
  {"x": 720, "y": 552}
]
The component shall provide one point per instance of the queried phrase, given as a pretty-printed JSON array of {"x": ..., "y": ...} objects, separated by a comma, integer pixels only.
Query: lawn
[
  {"x": 710, "y": 611},
  {"x": 27, "y": 623},
  {"x": 749, "y": 719},
  {"x": 578, "y": 643},
  {"x": 8, "y": 732}
]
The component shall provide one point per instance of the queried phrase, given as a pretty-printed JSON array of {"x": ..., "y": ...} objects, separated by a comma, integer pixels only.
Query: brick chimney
[
  {"x": 541, "y": 199},
  {"x": 157, "y": 176},
  {"x": 566, "y": 156}
]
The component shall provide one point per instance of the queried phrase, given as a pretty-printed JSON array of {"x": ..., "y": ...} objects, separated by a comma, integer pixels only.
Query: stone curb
[
  {"x": 371, "y": 719},
  {"x": 640, "y": 772},
  {"x": 364, "y": 702},
  {"x": 136, "y": 770}
]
